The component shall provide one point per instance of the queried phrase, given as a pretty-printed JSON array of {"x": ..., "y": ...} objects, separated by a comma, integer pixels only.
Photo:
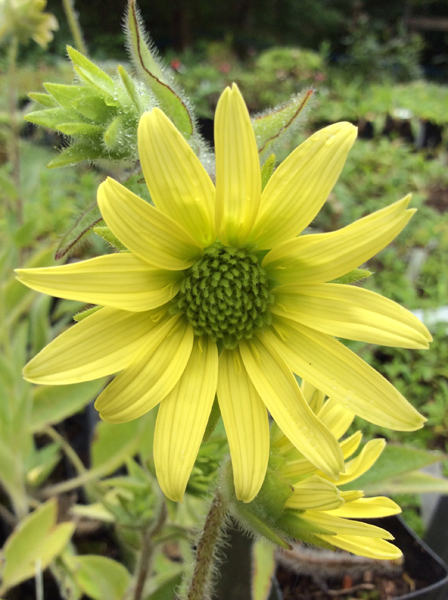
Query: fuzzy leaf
[
  {"x": 272, "y": 127},
  {"x": 85, "y": 222},
  {"x": 75, "y": 154},
  {"x": 150, "y": 70},
  {"x": 93, "y": 108},
  {"x": 86, "y": 313},
  {"x": 55, "y": 403},
  {"x": 353, "y": 277},
  {"x": 213, "y": 419},
  {"x": 44, "y": 99},
  {"x": 81, "y": 129},
  {"x": 37, "y": 540},
  {"x": 130, "y": 87},
  {"x": 66, "y": 94},
  {"x": 50, "y": 118},
  {"x": 393, "y": 462},
  {"x": 263, "y": 569},
  {"x": 248, "y": 517},
  {"x": 106, "y": 234},
  {"x": 91, "y": 73},
  {"x": 267, "y": 169},
  {"x": 101, "y": 578}
]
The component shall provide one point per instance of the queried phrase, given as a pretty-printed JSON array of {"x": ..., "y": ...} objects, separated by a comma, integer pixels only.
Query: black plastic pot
[{"x": 420, "y": 562}]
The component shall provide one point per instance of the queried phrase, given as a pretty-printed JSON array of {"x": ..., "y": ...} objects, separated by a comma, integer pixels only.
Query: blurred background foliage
[{"x": 368, "y": 65}]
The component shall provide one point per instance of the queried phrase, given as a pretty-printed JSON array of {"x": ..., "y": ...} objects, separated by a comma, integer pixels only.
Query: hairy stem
[
  {"x": 206, "y": 550},
  {"x": 73, "y": 23}
]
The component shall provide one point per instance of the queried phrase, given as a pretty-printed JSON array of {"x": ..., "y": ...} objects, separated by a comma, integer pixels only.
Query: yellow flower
[
  {"x": 25, "y": 19},
  {"x": 317, "y": 499},
  {"x": 217, "y": 294}
]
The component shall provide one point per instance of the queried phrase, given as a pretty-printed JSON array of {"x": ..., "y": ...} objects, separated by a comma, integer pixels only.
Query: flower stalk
[
  {"x": 206, "y": 550},
  {"x": 14, "y": 125},
  {"x": 73, "y": 23}
]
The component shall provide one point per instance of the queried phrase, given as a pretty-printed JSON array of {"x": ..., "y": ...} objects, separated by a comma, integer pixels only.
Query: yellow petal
[
  {"x": 362, "y": 463},
  {"x": 312, "y": 395},
  {"x": 178, "y": 183},
  {"x": 282, "y": 396},
  {"x": 246, "y": 422},
  {"x": 151, "y": 376},
  {"x": 300, "y": 186},
  {"x": 145, "y": 230},
  {"x": 363, "y": 546},
  {"x": 314, "y": 493},
  {"x": 341, "y": 374},
  {"x": 352, "y": 313},
  {"x": 322, "y": 257},
  {"x": 337, "y": 418},
  {"x": 351, "y": 444},
  {"x": 99, "y": 345},
  {"x": 368, "y": 508},
  {"x": 183, "y": 417},
  {"x": 121, "y": 281},
  {"x": 238, "y": 176},
  {"x": 345, "y": 526}
]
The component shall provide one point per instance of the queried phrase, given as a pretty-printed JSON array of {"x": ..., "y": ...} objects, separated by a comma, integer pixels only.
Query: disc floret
[{"x": 226, "y": 295}]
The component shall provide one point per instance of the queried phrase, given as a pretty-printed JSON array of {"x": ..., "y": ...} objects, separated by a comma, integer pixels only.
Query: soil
[{"x": 367, "y": 587}]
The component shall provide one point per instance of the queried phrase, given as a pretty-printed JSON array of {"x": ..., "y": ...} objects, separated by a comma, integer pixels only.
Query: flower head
[
  {"x": 313, "y": 507},
  {"x": 26, "y": 19},
  {"x": 220, "y": 294}
]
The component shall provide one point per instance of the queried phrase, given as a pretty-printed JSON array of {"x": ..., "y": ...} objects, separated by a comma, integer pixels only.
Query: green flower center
[{"x": 226, "y": 295}]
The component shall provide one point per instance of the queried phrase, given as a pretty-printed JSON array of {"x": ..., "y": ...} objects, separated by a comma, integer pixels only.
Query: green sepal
[
  {"x": 130, "y": 87},
  {"x": 75, "y": 154},
  {"x": 66, "y": 94},
  {"x": 301, "y": 529},
  {"x": 150, "y": 71},
  {"x": 113, "y": 135},
  {"x": 94, "y": 108},
  {"x": 86, "y": 313},
  {"x": 271, "y": 128},
  {"x": 249, "y": 518},
  {"x": 44, "y": 99},
  {"x": 273, "y": 495},
  {"x": 91, "y": 73},
  {"x": 267, "y": 169},
  {"x": 353, "y": 277},
  {"x": 82, "y": 129},
  {"x": 51, "y": 117},
  {"x": 213, "y": 419},
  {"x": 107, "y": 235}
]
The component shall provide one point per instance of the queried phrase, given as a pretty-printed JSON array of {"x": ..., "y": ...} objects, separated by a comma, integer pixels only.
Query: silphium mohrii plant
[{"x": 215, "y": 299}]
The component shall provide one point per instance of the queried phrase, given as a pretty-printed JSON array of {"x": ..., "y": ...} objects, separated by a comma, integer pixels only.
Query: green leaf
[
  {"x": 101, "y": 578},
  {"x": 113, "y": 135},
  {"x": 66, "y": 94},
  {"x": 40, "y": 323},
  {"x": 166, "y": 590},
  {"x": 353, "y": 277},
  {"x": 267, "y": 169},
  {"x": 247, "y": 515},
  {"x": 395, "y": 460},
  {"x": 151, "y": 72},
  {"x": 86, "y": 313},
  {"x": 51, "y": 118},
  {"x": 75, "y": 154},
  {"x": 107, "y": 235},
  {"x": 94, "y": 108},
  {"x": 113, "y": 444},
  {"x": 86, "y": 221},
  {"x": 82, "y": 129},
  {"x": 44, "y": 99},
  {"x": 54, "y": 403},
  {"x": 413, "y": 482},
  {"x": 273, "y": 495},
  {"x": 300, "y": 529},
  {"x": 215, "y": 415},
  {"x": 130, "y": 87},
  {"x": 263, "y": 569},
  {"x": 282, "y": 122},
  {"x": 42, "y": 463},
  {"x": 35, "y": 542},
  {"x": 91, "y": 73},
  {"x": 24, "y": 236}
]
